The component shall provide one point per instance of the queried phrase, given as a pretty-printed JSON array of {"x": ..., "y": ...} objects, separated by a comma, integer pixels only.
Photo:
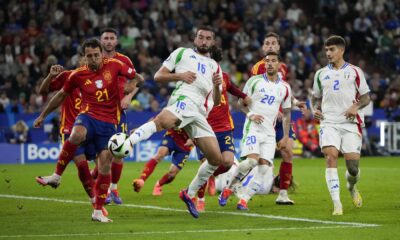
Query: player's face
[
  {"x": 203, "y": 41},
  {"x": 271, "y": 44},
  {"x": 109, "y": 41},
  {"x": 93, "y": 57},
  {"x": 272, "y": 64},
  {"x": 334, "y": 53}
]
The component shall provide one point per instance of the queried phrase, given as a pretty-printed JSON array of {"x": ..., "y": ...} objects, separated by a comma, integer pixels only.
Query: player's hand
[
  {"x": 318, "y": 115},
  {"x": 188, "y": 77},
  {"x": 302, "y": 106},
  {"x": 189, "y": 143},
  {"x": 282, "y": 144},
  {"x": 247, "y": 101},
  {"x": 125, "y": 102},
  {"x": 56, "y": 69},
  {"x": 217, "y": 79},
  {"x": 351, "y": 113},
  {"x": 38, "y": 122},
  {"x": 257, "y": 118}
]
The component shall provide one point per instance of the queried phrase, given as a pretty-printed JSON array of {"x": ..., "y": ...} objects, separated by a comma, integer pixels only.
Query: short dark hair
[
  {"x": 206, "y": 28},
  {"x": 92, "y": 43},
  {"x": 216, "y": 53},
  {"x": 109, "y": 29},
  {"x": 272, "y": 53},
  {"x": 335, "y": 40},
  {"x": 272, "y": 34}
]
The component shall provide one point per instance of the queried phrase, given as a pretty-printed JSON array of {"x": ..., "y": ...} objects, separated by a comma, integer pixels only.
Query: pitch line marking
[
  {"x": 258, "y": 215},
  {"x": 176, "y": 232}
]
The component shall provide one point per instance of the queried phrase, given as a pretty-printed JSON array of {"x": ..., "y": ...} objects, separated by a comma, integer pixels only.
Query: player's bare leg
[
  {"x": 285, "y": 173},
  {"x": 167, "y": 178},
  {"x": 352, "y": 176},
  {"x": 149, "y": 167},
  {"x": 332, "y": 178},
  {"x": 102, "y": 185}
]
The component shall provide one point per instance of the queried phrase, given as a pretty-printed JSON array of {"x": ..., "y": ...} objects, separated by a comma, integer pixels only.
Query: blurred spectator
[
  {"x": 306, "y": 129},
  {"x": 145, "y": 98},
  {"x": 4, "y": 101},
  {"x": 19, "y": 133}
]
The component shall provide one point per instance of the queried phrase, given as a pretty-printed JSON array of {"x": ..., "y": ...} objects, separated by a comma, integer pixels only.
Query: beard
[{"x": 203, "y": 49}]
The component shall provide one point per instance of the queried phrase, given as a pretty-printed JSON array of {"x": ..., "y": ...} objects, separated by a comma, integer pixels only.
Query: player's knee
[
  {"x": 77, "y": 137},
  {"x": 352, "y": 167}
]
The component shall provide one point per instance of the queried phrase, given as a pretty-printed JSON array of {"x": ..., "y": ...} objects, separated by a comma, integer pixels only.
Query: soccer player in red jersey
[
  {"x": 175, "y": 142},
  {"x": 109, "y": 41},
  {"x": 69, "y": 110},
  {"x": 271, "y": 44},
  {"x": 220, "y": 120},
  {"x": 98, "y": 83}
]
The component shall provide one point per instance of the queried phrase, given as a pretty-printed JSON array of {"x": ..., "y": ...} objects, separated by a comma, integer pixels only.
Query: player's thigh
[
  {"x": 166, "y": 119},
  {"x": 267, "y": 150},
  {"x": 351, "y": 144},
  {"x": 210, "y": 148},
  {"x": 162, "y": 152},
  {"x": 329, "y": 136},
  {"x": 227, "y": 147}
]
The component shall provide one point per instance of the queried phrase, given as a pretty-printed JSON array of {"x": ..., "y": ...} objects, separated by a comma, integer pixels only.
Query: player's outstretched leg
[
  {"x": 53, "y": 180},
  {"x": 190, "y": 203},
  {"x": 351, "y": 186}
]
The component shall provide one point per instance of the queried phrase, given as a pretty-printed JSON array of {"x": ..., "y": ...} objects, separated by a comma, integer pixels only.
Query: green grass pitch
[{"x": 29, "y": 211}]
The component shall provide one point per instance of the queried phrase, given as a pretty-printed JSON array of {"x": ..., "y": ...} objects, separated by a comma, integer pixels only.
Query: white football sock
[
  {"x": 332, "y": 181},
  {"x": 113, "y": 186},
  {"x": 204, "y": 172},
  {"x": 243, "y": 168},
  {"x": 256, "y": 184},
  {"x": 142, "y": 133}
]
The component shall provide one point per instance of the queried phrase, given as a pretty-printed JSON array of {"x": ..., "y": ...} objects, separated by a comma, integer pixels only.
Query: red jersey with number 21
[{"x": 100, "y": 89}]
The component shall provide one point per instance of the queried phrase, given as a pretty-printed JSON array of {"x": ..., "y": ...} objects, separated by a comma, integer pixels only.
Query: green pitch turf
[{"x": 29, "y": 211}]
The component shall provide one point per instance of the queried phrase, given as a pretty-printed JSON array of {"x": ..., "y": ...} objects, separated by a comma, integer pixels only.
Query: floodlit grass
[{"x": 137, "y": 218}]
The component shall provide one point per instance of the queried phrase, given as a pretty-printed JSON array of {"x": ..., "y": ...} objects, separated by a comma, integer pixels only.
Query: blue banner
[{"x": 48, "y": 152}]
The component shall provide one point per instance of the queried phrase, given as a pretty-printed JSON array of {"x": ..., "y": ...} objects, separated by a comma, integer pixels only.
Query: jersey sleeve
[
  {"x": 58, "y": 82},
  {"x": 317, "y": 87},
  {"x": 125, "y": 70},
  {"x": 70, "y": 83},
  {"x": 246, "y": 88},
  {"x": 287, "y": 100},
  {"x": 361, "y": 83},
  {"x": 173, "y": 59}
]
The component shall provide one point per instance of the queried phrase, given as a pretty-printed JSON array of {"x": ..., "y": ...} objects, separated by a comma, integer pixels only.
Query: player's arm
[
  {"x": 316, "y": 98},
  {"x": 244, "y": 108},
  {"x": 286, "y": 127},
  {"x": 300, "y": 104},
  {"x": 351, "y": 113},
  {"x": 54, "y": 71},
  {"x": 217, "y": 88},
  {"x": 54, "y": 102},
  {"x": 235, "y": 91},
  {"x": 164, "y": 75}
]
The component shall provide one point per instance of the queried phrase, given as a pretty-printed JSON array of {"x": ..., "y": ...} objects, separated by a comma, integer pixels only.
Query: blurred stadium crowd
[{"x": 37, "y": 34}]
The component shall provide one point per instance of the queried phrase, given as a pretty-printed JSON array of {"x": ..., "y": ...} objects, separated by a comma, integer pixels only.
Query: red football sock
[
  {"x": 102, "y": 185},
  {"x": 116, "y": 170},
  {"x": 165, "y": 179},
  {"x": 285, "y": 173},
  {"x": 148, "y": 169},
  {"x": 66, "y": 155},
  {"x": 220, "y": 170},
  {"x": 95, "y": 172},
  {"x": 85, "y": 177},
  {"x": 202, "y": 190}
]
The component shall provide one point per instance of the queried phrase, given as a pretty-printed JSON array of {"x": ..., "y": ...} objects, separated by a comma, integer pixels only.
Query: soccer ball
[{"x": 117, "y": 145}]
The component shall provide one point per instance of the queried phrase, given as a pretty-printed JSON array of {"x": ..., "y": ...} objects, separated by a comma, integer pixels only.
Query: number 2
[{"x": 336, "y": 85}]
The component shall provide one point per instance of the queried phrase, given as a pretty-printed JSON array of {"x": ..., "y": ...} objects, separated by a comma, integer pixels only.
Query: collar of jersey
[
  {"x": 343, "y": 66},
  {"x": 266, "y": 78}
]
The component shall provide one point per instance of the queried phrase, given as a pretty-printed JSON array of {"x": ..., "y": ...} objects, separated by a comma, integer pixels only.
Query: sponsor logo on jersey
[
  {"x": 193, "y": 56},
  {"x": 327, "y": 77},
  {"x": 88, "y": 82},
  {"x": 99, "y": 83}
]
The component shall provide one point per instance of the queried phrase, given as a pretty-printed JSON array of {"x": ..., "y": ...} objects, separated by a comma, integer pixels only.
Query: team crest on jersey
[
  {"x": 346, "y": 75},
  {"x": 107, "y": 76},
  {"x": 99, "y": 83}
]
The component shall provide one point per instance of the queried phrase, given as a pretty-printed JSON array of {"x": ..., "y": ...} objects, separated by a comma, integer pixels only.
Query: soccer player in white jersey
[
  {"x": 340, "y": 91},
  {"x": 268, "y": 93},
  {"x": 198, "y": 87}
]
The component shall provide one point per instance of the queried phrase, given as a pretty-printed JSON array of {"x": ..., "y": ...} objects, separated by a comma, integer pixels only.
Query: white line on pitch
[
  {"x": 217, "y": 212},
  {"x": 174, "y": 232}
]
